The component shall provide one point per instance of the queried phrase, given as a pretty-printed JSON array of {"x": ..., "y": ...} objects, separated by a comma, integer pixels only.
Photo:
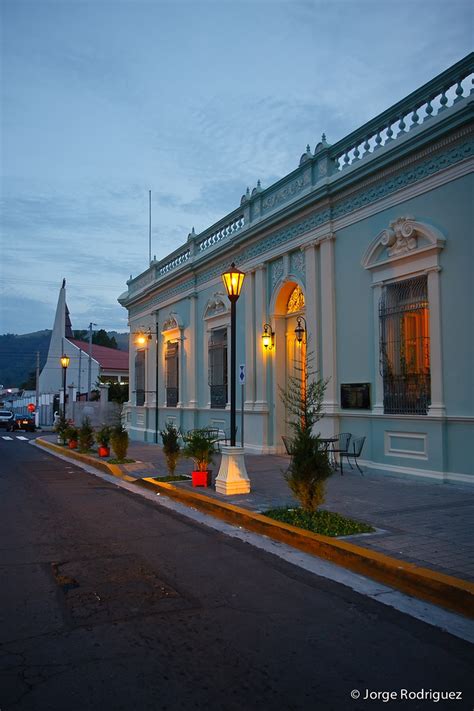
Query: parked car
[
  {"x": 25, "y": 422},
  {"x": 7, "y": 419}
]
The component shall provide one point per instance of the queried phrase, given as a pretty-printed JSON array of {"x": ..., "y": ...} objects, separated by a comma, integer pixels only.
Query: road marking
[
  {"x": 3, "y": 437},
  {"x": 23, "y": 438}
]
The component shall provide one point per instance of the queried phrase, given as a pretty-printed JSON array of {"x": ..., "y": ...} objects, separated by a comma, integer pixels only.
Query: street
[{"x": 108, "y": 601}]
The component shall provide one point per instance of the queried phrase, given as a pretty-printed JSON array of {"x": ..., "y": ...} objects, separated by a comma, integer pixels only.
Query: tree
[
  {"x": 30, "y": 382},
  {"x": 309, "y": 467}
]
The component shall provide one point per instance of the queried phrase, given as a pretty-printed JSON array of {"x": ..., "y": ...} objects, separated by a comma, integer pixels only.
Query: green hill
[{"x": 18, "y": 354}]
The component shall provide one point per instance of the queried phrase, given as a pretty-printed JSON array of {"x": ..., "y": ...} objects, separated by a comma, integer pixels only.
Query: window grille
[
  {"x": 405, "y": 347},
  {"x": 172, "y": 374},
  {"x": 140, "y": 378},
  {"x": 218, "y": 367}
]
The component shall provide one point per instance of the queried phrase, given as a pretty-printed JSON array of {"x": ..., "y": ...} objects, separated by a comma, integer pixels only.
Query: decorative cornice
[
  {"x": 416, "y": 173},
  {"x": 399, "y": 239}
]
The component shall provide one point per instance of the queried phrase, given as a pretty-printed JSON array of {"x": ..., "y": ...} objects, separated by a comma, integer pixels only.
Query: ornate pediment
[
  {"x": 172, "y": 322},
  {"x": 403, "y": 237},
  {"x": 216, "y": 305}
]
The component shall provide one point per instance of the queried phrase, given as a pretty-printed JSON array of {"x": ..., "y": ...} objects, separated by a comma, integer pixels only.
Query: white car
[{"x": 7, "y": 419}]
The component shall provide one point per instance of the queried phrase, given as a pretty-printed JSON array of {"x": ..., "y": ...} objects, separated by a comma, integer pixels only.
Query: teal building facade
[{"x": 368, "y": 246}]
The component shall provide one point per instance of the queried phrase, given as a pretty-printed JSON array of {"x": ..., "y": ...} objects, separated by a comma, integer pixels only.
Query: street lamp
[
  {"x": 64, "y": 360},
  {"x": 232, "y": 477},
  {"x": 233, "y": 280}
]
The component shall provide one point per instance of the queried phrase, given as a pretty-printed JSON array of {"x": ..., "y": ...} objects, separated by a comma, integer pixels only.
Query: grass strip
[{"x": 326, "y": 523}]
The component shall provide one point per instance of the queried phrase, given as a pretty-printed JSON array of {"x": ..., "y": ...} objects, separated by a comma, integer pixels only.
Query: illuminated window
[
  {"x": 172, "y": 373},
  {"x": 405, "y": 347},
  {"x": 296, "y": 301}
]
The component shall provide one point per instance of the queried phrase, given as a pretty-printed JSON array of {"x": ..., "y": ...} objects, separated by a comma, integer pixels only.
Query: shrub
[
  {"x": 71, "y": 433},
  {"x": 102, "y": 436},
  {"x": 86, "y": 435},
  {"x": 200, "y": 447},
  {"x": 119, "y": 442},
  {"x": 61, "y": 427},
  {"x": 171, "y": 447}
]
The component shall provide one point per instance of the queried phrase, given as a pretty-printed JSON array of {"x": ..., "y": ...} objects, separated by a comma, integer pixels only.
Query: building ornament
[
  {"x": 403, "y": 236},
  {"x": 216, "y": 305},
  {"x": 172, "y": 322}
]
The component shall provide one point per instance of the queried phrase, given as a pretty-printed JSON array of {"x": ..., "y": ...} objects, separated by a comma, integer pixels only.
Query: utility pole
[
  {"x": 89, "y": 374},
  {"x": 78, "y": 396},
  {"x": 37, "y": 388},
  {"x": 149, "y": 227}
]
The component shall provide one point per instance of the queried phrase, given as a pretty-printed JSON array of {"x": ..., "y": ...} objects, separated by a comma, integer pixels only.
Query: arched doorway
[{"x": 290, "y": 353}]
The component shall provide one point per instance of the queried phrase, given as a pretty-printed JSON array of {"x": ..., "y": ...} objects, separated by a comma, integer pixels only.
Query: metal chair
[
  {"x": 341, "y": 447},
  {"x": 354, "y": 451},
  {"x": 287, "y": 444}
]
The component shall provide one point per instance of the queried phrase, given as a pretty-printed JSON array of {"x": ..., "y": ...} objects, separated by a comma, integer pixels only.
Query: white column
[
  {"x": 377, "y": 406},
  {"x": 181, "y": 366},
  {"x": 311, "y": 303},
  {"x": 250, "y": 338},
  {"x": 437, "y": 406},
  {"x": 191, "y": 352},
  {"x": 328, "y": 323},
  {"x": 257, "y": 323}
]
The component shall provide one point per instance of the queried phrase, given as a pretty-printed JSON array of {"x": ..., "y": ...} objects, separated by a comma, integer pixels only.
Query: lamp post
[
  {"x": 232, "y": 477},
  {"x": 233, "y": 280},
  {"x": 64, "y": 360}
]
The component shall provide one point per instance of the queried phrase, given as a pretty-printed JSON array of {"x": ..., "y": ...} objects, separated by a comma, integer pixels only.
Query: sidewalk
[{"x": 419, "y": 521}]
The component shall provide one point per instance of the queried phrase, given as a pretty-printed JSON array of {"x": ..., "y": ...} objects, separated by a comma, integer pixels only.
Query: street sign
[{"x": 242, "y": 374}]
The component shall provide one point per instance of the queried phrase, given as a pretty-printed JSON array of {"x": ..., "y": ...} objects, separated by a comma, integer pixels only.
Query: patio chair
[
  {"x": 341, "y": 446},
  {"x": 287, "y": 444},
  {"x": 353, "y": 451}
]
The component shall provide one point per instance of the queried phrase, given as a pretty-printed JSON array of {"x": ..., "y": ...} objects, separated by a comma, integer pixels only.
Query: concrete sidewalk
[{"x": 419, "y": 521}]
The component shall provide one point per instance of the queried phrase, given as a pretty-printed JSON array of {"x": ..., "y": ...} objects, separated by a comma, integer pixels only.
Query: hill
[{"x": 18, "y": 354}]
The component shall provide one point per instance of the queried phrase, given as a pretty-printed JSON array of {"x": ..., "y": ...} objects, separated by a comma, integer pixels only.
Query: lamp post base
[{"x": 232, "y": 477}]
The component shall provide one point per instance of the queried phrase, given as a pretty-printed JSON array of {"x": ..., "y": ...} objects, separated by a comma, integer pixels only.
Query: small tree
[
  {"x": 86, "y": 435},
  {"x": 309, "y": 467},
  {"x": 61, "y": 425},
  {"x": 119, "y": 441},
  {"x": 171, "y": 446}
]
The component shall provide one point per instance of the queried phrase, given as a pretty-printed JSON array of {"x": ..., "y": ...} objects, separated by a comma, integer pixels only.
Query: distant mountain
[{"x": 18, "y": 354}]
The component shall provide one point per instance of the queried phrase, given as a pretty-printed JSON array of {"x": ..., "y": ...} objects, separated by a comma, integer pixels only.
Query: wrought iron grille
[
  {"x": 405, "y": 347},
  {"x": 218, "y": 368},
  {"x": 172, "y": 374},
  {"x": 140, "y": 378}
]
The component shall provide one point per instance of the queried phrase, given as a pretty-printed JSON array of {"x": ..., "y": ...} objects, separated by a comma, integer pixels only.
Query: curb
[{"x": 438, "y": 588}]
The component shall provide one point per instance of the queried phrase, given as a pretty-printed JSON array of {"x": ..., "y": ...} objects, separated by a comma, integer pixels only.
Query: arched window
[{"x": 296, "y": 301}]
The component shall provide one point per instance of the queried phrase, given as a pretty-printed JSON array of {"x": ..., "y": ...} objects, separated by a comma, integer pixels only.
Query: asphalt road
[{"x": 107, "y": 601}]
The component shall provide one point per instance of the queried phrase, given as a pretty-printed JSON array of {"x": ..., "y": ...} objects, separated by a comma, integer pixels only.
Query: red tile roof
[{"x": 108, "y": 358}]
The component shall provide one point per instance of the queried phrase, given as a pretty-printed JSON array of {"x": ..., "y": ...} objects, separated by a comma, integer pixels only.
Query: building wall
[{"x": 329, "y": 242}]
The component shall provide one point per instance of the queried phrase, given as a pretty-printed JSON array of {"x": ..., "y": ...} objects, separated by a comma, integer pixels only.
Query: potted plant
[
  {"x": 198, "y": 445},
  {"x": 102, "y": 437},
  {"x": 171, "y": 446},
  {"x": 71, "y": 435},
  {"x": 119, "y": 441}
]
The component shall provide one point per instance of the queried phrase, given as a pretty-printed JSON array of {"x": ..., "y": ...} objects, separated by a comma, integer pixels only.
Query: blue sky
[{"x": 104, "y": 100}]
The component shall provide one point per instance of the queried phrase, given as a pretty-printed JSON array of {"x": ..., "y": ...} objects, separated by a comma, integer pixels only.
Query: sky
[{"x": 103, "y": 101}]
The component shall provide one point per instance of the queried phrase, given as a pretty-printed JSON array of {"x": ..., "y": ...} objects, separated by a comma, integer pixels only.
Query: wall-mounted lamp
[
  {"x": 300, "y": 330},
  {"x": 140, "y": 338},
  {"x": 267, "y": 337}
]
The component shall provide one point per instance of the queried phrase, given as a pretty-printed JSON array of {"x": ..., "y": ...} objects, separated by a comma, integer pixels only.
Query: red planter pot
[
  {"x": 201, "y": 478},
  {"x": 104, "y": 452},
  {"x": 72, "y": 444}
]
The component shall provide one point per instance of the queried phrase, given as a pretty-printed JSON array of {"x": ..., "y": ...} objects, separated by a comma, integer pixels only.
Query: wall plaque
[{"x": 355, "y": 396}]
